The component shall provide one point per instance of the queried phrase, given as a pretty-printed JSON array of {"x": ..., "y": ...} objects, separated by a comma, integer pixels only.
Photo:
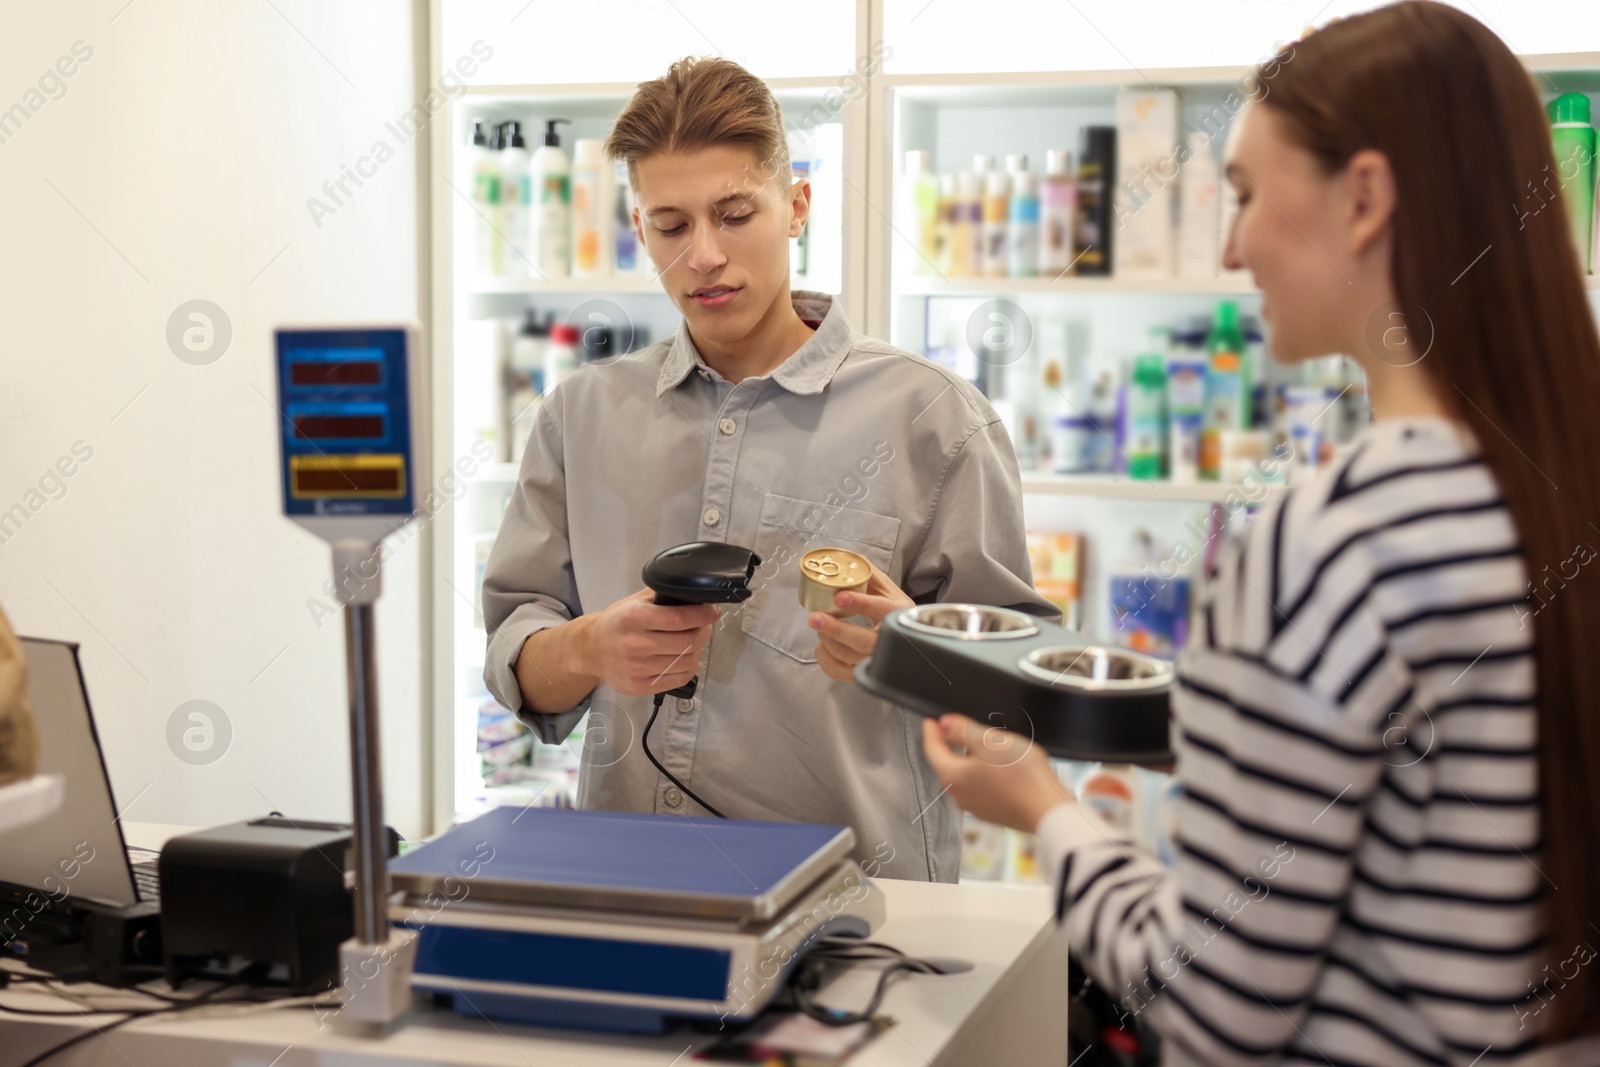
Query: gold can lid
[{"x": 835, "y": 567}]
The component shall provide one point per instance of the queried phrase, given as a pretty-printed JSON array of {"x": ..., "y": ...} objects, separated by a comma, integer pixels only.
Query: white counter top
[{"x": 1010, "y": 1008}]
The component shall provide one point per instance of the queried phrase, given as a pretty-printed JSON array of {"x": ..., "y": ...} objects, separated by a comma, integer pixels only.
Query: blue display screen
[{"x": 344, "y": 422}]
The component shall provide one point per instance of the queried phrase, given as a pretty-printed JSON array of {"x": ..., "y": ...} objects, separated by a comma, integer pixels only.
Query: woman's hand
[
  {"x": 844, "y": 644},
  {"x": 1003, "y": 778}
]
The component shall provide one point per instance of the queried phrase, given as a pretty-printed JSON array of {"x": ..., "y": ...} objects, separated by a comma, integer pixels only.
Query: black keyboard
[{"x": 147, "y": 881}]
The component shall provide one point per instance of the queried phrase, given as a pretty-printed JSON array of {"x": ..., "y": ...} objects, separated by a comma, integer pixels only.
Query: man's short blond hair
[{"x": 701, "y": 103}]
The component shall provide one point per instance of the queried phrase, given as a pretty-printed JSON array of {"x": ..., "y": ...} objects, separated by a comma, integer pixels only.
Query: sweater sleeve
[{"x": 1221, "y": 954}]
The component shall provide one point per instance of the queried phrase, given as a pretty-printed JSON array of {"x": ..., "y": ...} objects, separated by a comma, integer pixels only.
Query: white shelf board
[
  {"x": 1001, "y": 88},
  {"x": 622, "y": 91},
  {"x": 1113, "y": 487},
  {"x": 625, "y": 284},
  {"x": 932, "y": 285},
  {"x": 1020, "y": 88}
]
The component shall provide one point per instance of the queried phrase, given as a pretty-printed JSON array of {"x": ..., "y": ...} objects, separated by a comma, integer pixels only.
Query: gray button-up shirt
[{"x": 850, "y": 443}]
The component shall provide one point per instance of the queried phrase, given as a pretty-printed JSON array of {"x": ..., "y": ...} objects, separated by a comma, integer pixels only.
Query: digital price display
[
  {"x": 345, "y": 421},
  {"x": 330, "y": 368}
]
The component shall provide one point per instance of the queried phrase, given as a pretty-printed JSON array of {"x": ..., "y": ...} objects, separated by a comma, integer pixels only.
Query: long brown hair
[{"x": 1513, "y": 349}]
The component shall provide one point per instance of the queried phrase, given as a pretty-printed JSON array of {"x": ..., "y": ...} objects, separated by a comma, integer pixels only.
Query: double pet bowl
[{"x": 1007, "y": 669}]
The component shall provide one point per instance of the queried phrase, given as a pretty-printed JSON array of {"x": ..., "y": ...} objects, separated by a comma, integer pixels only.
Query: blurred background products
[{"x": 1160, "y": 412}]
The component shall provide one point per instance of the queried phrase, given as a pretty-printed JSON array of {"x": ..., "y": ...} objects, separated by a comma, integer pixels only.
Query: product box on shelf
[
  {"x": 1144, "y": 200},
  {"x": 1057, "y": 560}
]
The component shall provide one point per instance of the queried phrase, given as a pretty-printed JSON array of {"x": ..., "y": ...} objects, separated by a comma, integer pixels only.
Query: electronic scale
[{"x": 573, "y": 918}]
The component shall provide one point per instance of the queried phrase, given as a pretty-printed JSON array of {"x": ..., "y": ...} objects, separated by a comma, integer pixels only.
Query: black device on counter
[
  {"x": 1078, "y": 699},
  {"x": 701, "y": 572},
  {"x": 268, "y": 898},
  {"x": 83, "y": 940}
]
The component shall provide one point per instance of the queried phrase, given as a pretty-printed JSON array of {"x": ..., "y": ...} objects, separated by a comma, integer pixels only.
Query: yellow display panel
[{"x": 334, "y": 477}]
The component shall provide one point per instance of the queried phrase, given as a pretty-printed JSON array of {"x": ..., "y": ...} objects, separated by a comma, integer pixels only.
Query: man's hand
[
  {"x": 1003, "y": 778},
  {"x": 844, "y": 644},
  {"x": 638, "y": 647}
]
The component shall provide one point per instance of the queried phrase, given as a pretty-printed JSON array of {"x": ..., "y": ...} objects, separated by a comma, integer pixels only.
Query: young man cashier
[{"x": 765, "y": 423}]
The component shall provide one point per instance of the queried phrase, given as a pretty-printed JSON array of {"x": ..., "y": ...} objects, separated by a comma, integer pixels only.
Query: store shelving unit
[
  {"x": 950, "y": 114},
  {"x": 953, "y": 116}
]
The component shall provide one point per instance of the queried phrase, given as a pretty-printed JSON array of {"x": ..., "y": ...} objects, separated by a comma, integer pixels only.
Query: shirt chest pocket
[{"x": 790, "y": 528}]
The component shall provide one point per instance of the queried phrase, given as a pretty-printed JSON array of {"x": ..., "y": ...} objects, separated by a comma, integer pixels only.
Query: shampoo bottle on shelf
[
  {"x": 981, "y": 166},
  {"x": 1147, "y": 417},
  {"x": 590, "y": 195},
  {"x": 1097, "y": 167},
  {"x": 1574, "y": 142},
  {"x": 1186, "y": 400},
  {"x": 1199, "y": 210},
  {"x": 800, "y": 251},
  {"x": 947, "y": 224},
  {"x": 627, "y": 245},
  {"x": 551, "y": 215},
  {"x": 515, "y": 200},
  {"x": 1058, "y": 210},
  {"x": 996, "y": 219},
  {"x": 1023, "y": 230},
  {"x": 1227, "y": 387},
  {"x": 967, "y": 208},
  {"x": 560, "y": 355},
  {"x": 921, "y": 200},
  {"x": 527, "y": 383},
  {"x": 485, "y": 204},
  {"x": 1072, "y": 430},
  {"x": 1104, "y": 424}
]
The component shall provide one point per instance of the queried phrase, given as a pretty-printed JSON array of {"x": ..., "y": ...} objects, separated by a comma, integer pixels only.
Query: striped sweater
[{"x": 1357, "y": 834}]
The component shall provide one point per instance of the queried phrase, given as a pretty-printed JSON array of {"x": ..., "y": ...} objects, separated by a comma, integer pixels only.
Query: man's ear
[
  {"x": 1370, "y": 198},
  {"x": 800, "y": 201}
]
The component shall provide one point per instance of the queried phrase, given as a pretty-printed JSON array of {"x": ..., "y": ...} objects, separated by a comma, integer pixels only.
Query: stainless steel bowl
[
  {"x": 969, "y": 622},
  {"x": 1096, "y": 667}
]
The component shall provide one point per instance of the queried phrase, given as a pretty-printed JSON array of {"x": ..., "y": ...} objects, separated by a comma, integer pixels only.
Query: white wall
[{"x": 177, "y": 166}]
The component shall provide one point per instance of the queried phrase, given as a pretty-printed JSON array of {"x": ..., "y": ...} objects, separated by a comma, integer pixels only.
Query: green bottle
[
  {"x": 1574, "y": 142},
  {"x": 1147, "y": 417},
  {"x": 1227, "y": 387}
]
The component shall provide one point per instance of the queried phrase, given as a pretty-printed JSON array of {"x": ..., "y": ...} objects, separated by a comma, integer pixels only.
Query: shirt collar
[{"x": 807, "y": 372}]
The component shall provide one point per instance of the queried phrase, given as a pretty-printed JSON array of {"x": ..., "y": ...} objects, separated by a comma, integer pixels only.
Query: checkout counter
[
  {"x": 1005, "y": 1010},
  {"x": 653, "y": 932}
]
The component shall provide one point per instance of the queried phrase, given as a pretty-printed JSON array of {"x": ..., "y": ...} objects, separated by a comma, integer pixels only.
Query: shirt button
[
  {"x": 673, "y": 797},
  {"x": 728, "y": 426},
  {"x": 711, "y": 516},
  {"x": 685, "y": 705}
]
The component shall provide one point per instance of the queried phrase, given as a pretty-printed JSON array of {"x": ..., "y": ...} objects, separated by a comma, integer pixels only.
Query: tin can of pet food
[{"x": 827, "y": 571}]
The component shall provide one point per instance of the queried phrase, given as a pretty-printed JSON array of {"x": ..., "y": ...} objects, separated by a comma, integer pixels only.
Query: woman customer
[{"x": 1387, "y": 723}]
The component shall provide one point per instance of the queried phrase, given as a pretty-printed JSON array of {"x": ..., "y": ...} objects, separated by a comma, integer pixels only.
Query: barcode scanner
[{"x": 701, "y": 572}]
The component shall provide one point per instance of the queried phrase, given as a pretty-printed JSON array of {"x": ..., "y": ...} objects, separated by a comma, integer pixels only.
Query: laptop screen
[{"x": 78, "y": 849}]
